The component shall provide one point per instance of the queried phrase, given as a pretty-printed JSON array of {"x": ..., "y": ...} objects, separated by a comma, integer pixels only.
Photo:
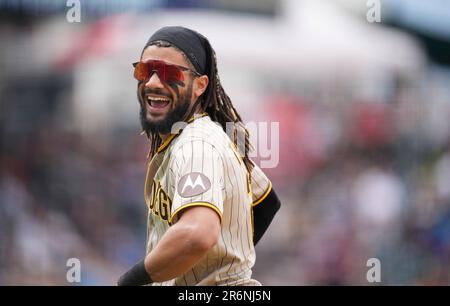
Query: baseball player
[{"x": 208, "y": 203}]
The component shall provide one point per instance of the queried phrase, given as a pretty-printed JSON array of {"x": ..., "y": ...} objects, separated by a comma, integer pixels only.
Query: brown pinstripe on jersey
[{"x": 200, "y": 167}]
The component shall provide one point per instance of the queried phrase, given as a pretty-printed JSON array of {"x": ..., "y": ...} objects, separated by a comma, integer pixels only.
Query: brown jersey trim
[
  {"x": 166, "y": 143},
  {"x": 206, "y": 204},
  {"x": 264, "y": 195}
]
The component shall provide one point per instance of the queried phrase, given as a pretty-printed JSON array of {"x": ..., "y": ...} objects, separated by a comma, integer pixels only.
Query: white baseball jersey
[{"x": 199, "y": 166}]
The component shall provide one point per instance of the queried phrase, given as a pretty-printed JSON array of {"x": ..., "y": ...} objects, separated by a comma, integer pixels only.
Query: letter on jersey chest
[{"x": 160, "y": 203}]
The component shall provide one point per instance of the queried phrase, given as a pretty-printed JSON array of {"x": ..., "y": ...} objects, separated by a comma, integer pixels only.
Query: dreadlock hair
[{"x": 216, "y": 103}]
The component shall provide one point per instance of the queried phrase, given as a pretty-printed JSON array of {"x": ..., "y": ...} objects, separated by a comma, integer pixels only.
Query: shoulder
[
  {"x": 203, "y": 128},
  {"x": 202, "y": 132}
]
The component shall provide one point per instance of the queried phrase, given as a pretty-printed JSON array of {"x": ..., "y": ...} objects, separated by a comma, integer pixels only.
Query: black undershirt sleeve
[
  {"x": 263, "y": 214},
  {"x": 136, "y": 276}
]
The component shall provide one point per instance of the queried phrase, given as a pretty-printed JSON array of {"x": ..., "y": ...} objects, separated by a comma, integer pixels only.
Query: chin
[{"x": 156, "y": 118}]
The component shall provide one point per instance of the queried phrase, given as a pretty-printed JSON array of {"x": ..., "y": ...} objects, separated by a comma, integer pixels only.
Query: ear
[{"x": 200, "y": 85}]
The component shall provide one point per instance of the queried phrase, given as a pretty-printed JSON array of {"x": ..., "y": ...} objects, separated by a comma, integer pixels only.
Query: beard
[{"x": 177, "y": 114}]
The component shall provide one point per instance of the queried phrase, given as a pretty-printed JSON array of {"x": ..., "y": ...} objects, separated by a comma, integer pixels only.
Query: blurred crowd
[
  {"x": 65, "y": 195},
  {"x": 368, "y": 180}
]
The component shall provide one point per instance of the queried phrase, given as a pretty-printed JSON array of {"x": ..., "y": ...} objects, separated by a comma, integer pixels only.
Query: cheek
[
  {"x": 175, "y": 92},
  {"x": 140, "y": 91}
]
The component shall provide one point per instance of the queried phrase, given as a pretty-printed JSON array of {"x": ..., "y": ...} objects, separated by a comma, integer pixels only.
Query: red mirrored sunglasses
[{"x": 168, "y": 73}]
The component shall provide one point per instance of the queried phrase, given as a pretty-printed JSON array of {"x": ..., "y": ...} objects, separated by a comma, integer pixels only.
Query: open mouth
[{"x": 157, "y": 102}]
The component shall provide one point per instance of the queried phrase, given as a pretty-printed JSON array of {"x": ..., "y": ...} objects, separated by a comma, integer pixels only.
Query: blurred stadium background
[{"x": 364, "y": 112}]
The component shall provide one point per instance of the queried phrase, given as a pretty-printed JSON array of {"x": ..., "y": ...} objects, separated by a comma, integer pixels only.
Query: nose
[{"x": 154, "y": 82}]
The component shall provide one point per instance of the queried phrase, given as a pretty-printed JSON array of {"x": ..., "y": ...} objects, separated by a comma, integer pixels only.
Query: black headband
[{"x": 190, "y": 42}]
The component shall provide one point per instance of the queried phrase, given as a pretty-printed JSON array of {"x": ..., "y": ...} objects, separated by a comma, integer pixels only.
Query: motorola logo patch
[{"x": 193, "y": 184}]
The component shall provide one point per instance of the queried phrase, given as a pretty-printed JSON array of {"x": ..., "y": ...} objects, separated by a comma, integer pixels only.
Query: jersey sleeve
[
  {"x": 198, "y": 178},
  {"x": 260, "y": 184}
]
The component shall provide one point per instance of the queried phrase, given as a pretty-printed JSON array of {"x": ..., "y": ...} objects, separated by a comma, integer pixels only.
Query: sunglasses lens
[
  {"x": 141, "y": 72},
  {"x": 167, "y": 73},
  {"x": 173, "y": 74}
]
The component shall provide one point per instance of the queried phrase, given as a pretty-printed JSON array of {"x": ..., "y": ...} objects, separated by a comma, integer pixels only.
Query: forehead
[{"x": 167, "y": 54}]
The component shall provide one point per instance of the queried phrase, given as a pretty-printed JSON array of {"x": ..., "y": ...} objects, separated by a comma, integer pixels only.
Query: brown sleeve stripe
[
  {"x": 206, "y": 204},
  {"x": 264, "y": 195}
]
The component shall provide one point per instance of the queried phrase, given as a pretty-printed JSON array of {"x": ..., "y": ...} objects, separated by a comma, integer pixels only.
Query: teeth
[{"x": 157, "y": 99}]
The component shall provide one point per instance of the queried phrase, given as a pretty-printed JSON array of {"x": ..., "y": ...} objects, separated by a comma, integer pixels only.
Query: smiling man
[{"x": 208, "y": 204}]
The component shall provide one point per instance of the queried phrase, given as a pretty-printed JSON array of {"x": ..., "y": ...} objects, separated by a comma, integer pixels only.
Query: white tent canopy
[{"x": 313, "y": 39}]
